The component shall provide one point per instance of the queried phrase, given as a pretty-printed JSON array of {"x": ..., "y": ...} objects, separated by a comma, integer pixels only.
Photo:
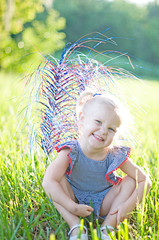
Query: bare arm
[
  {"x": 51, "y": 184},
  {"x": 52, "y": 178},
  {"x": 142, "y": 181}
]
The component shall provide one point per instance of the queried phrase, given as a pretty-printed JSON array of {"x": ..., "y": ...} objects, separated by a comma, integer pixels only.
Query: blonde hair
[
  {"x": 84, "y": 97},
  {"x": 87, "y": 97}
]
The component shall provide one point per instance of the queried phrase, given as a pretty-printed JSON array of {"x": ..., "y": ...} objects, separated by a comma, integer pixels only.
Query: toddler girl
[{"x": 82, "y": 178}]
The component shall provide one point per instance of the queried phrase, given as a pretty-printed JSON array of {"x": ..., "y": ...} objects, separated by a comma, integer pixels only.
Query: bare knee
[{"x": 127, "y": 183}]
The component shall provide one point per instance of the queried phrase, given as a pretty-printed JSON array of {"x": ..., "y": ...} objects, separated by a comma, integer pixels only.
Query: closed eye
[
  {"x": 112, "y": 129},
  {"x": 98, "y": 122}
]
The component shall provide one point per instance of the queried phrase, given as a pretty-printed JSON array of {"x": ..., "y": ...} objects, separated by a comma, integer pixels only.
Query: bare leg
[
  {"x": 68, "y": 217},
  {"x": 116, "y": 196}
]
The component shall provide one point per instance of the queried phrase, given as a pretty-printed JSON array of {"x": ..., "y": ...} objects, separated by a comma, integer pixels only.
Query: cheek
[{"x": 111, "y": 136}]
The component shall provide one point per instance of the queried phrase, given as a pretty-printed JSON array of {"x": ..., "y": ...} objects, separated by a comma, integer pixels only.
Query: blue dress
[{"x": 90, "y": 179}]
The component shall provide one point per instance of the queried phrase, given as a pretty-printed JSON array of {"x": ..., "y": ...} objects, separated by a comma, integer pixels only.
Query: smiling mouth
[{"x": 98, "y": 138}]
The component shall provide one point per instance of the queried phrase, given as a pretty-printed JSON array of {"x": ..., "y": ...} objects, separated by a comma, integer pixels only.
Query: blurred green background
[{"x": 30, "y": 27}]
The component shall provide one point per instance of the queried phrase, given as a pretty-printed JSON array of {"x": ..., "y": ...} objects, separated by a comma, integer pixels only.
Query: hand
[
  {"x": 82, "y": 210},
  {"x": 122, "y": 212}
]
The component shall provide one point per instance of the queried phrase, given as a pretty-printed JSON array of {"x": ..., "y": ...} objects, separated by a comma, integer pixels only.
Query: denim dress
[{"x": 91, "y": 179}]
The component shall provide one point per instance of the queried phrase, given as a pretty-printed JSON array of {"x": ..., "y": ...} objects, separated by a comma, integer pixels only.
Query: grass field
[{"x": 25, "y": 211}]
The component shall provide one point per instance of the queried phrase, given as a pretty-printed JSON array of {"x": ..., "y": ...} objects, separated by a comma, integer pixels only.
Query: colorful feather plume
[{"x": 59, "y": 84}]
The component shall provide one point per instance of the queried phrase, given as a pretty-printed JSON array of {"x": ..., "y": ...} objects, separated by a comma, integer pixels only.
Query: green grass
[{"x": 25, "y": 211}]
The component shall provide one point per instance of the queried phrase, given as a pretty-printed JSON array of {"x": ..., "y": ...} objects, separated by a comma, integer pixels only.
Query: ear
[{"x": 80, "y": 118}]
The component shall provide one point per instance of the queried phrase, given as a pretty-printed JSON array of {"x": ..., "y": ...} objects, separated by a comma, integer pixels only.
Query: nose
[{"x": 104, "y": 130}]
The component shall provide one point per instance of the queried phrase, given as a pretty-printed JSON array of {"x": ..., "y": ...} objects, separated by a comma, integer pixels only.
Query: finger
[
  {"x": 89, "y": 208},
  {"x": 118, "y": 219},
  {"x": 114, "y": 212},
  {"x": 89, "y": 213}
]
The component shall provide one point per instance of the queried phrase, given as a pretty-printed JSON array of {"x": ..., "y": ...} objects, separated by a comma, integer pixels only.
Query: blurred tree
[
  {"x": 26, "y": 26},
  {"x": 134, "y": 28},
  {"x": 152, "y": 32},
  {"x": 83, "y": 17}
]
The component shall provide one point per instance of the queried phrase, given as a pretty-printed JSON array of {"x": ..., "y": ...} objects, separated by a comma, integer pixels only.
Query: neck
[{"x": 95, "y": 154}]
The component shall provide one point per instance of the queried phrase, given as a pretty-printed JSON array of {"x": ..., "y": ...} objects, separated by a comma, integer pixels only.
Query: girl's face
[{"x": 99, "y": 124}]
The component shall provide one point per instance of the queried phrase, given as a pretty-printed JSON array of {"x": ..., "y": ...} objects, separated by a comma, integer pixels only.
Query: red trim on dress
[
  {"x": 70, "y": 160},
  {"x": 119, "y": 179}
]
